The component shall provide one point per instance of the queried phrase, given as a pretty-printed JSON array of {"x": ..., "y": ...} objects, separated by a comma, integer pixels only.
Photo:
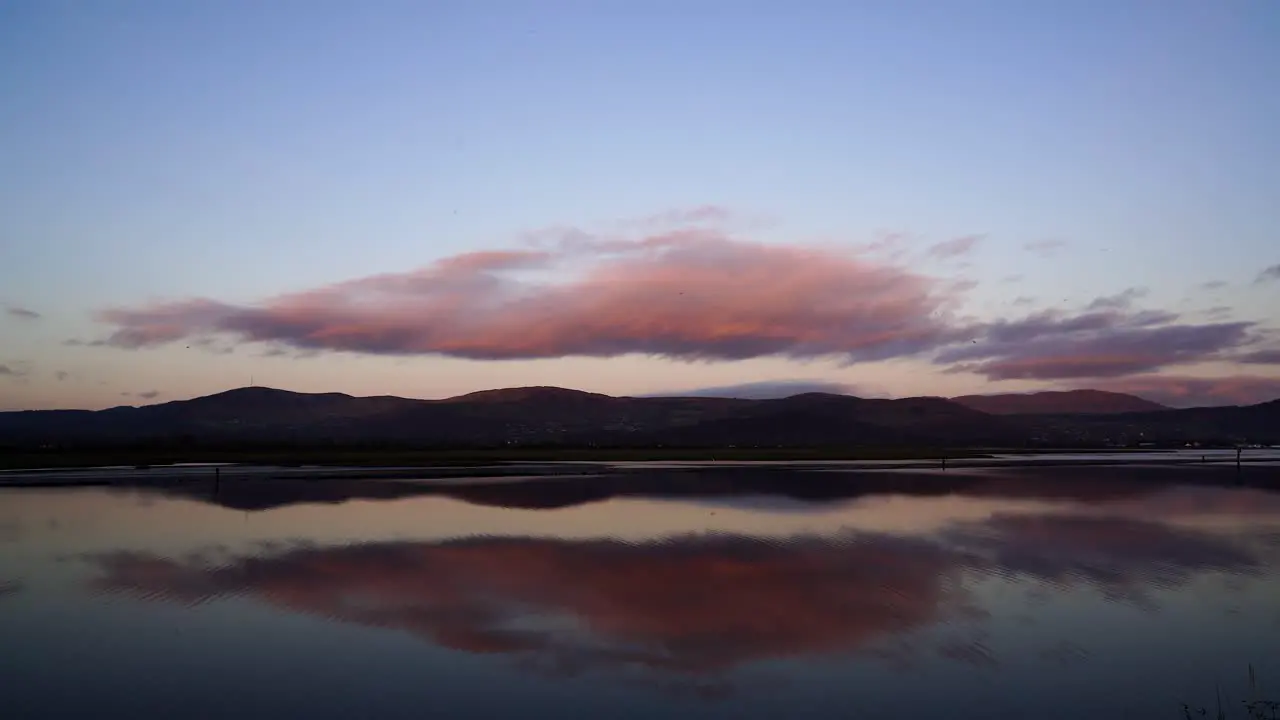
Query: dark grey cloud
[
  {"x": 1269, "y": 356},
  {"x": 1120, "y": 301},
  {"x": 14, "y": 370},
  {"x": 22, "y": 313},
  {"x": 1098, "y": 344},
  {"x": 1270, "y": 274}
]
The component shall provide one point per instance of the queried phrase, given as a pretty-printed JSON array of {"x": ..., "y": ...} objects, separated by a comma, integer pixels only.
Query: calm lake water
[{"x": 727, "y": 593}]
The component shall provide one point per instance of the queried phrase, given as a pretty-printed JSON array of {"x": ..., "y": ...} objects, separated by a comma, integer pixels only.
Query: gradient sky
[{"x": 892, "y": 198}]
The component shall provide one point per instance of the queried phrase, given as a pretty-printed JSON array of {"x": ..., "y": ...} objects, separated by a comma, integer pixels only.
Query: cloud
[
  {"x": 1119, "y": 301},
  {"x": 14, "y": 370},
  {"x": 1095, "y": 344},
  {"x": 1268, "y": 275},
  {"x": 699, "y": 215},
  {"x": 955, "y": 248},
  {"x": 696, "y": 294},
  {"x": 765, "y": 389},
  {"x": 1045, "y": 248},
  {"x": 691, "y": 295},
  {"x": 1269, "y": 356},
  {"x": 22, "y": 313},
  {"x": 1213, "y": 285},
  {"x": 1189, "y": 391},
  {"x": 150, "y": 394},
  {"x": 10, "y": 587},
  {"x": 62, "y": 375}
]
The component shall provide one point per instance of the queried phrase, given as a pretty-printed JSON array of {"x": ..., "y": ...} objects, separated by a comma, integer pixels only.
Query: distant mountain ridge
[
  {"x": 550, "y": 416},
  {"x": 1054, "y": 402}
]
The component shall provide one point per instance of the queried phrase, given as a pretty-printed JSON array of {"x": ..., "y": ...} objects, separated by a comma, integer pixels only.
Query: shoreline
[{"x": 512, "y": 471}]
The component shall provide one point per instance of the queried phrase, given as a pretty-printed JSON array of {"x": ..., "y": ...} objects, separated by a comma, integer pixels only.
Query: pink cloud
[{"x": 692, "y": 294}]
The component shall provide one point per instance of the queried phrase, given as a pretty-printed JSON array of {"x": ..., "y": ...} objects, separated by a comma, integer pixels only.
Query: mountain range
[{"x": 549, "y": 416}]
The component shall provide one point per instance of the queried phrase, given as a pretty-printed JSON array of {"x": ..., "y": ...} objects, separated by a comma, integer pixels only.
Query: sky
[{"x": 423, "y": 199}]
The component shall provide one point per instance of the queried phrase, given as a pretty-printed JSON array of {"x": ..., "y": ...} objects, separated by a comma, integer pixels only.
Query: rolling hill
[
  {"x": 558, "y": 417},
  {"x": 1076, "y": 402}
]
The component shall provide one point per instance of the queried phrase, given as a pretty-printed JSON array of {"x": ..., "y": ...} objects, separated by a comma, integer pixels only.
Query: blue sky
[{"x": 238, "y": 151}]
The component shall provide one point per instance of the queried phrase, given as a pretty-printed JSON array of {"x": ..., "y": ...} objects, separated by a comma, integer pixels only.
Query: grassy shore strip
[
  {"x": 1212, "y": 473},
  {"x": 284, "y": 457},
  {"x": 358, "y": 457}
]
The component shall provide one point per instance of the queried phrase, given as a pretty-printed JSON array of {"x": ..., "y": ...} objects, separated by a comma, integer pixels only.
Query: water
[{"x": 728, "y": 593}]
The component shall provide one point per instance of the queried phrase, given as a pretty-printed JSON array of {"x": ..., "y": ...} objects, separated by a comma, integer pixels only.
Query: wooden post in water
[{"x": 944, "y": 462}]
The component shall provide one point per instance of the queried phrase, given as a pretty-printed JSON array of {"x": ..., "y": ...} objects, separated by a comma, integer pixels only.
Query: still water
[{"x": 729, "y": 593}]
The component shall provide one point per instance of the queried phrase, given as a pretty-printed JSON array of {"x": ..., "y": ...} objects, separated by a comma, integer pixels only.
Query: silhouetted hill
[
  {"x": 1058, "y": 403},
  {"x": 558, "y": 417}
]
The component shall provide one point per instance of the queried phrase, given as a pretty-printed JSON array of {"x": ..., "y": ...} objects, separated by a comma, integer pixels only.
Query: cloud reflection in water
[{"x": 695, "y": 604}]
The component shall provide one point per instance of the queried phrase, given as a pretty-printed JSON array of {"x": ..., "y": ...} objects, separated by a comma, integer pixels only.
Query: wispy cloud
[
  {"x": 1213, "y": 285},
  {"x": 22, "y": 313},
  {"x": 955, "y": 248},
  {"x": 1045, "y": 248},
  {"x": 698, "y": 215},
  {"x": 62, "y": 375}
]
